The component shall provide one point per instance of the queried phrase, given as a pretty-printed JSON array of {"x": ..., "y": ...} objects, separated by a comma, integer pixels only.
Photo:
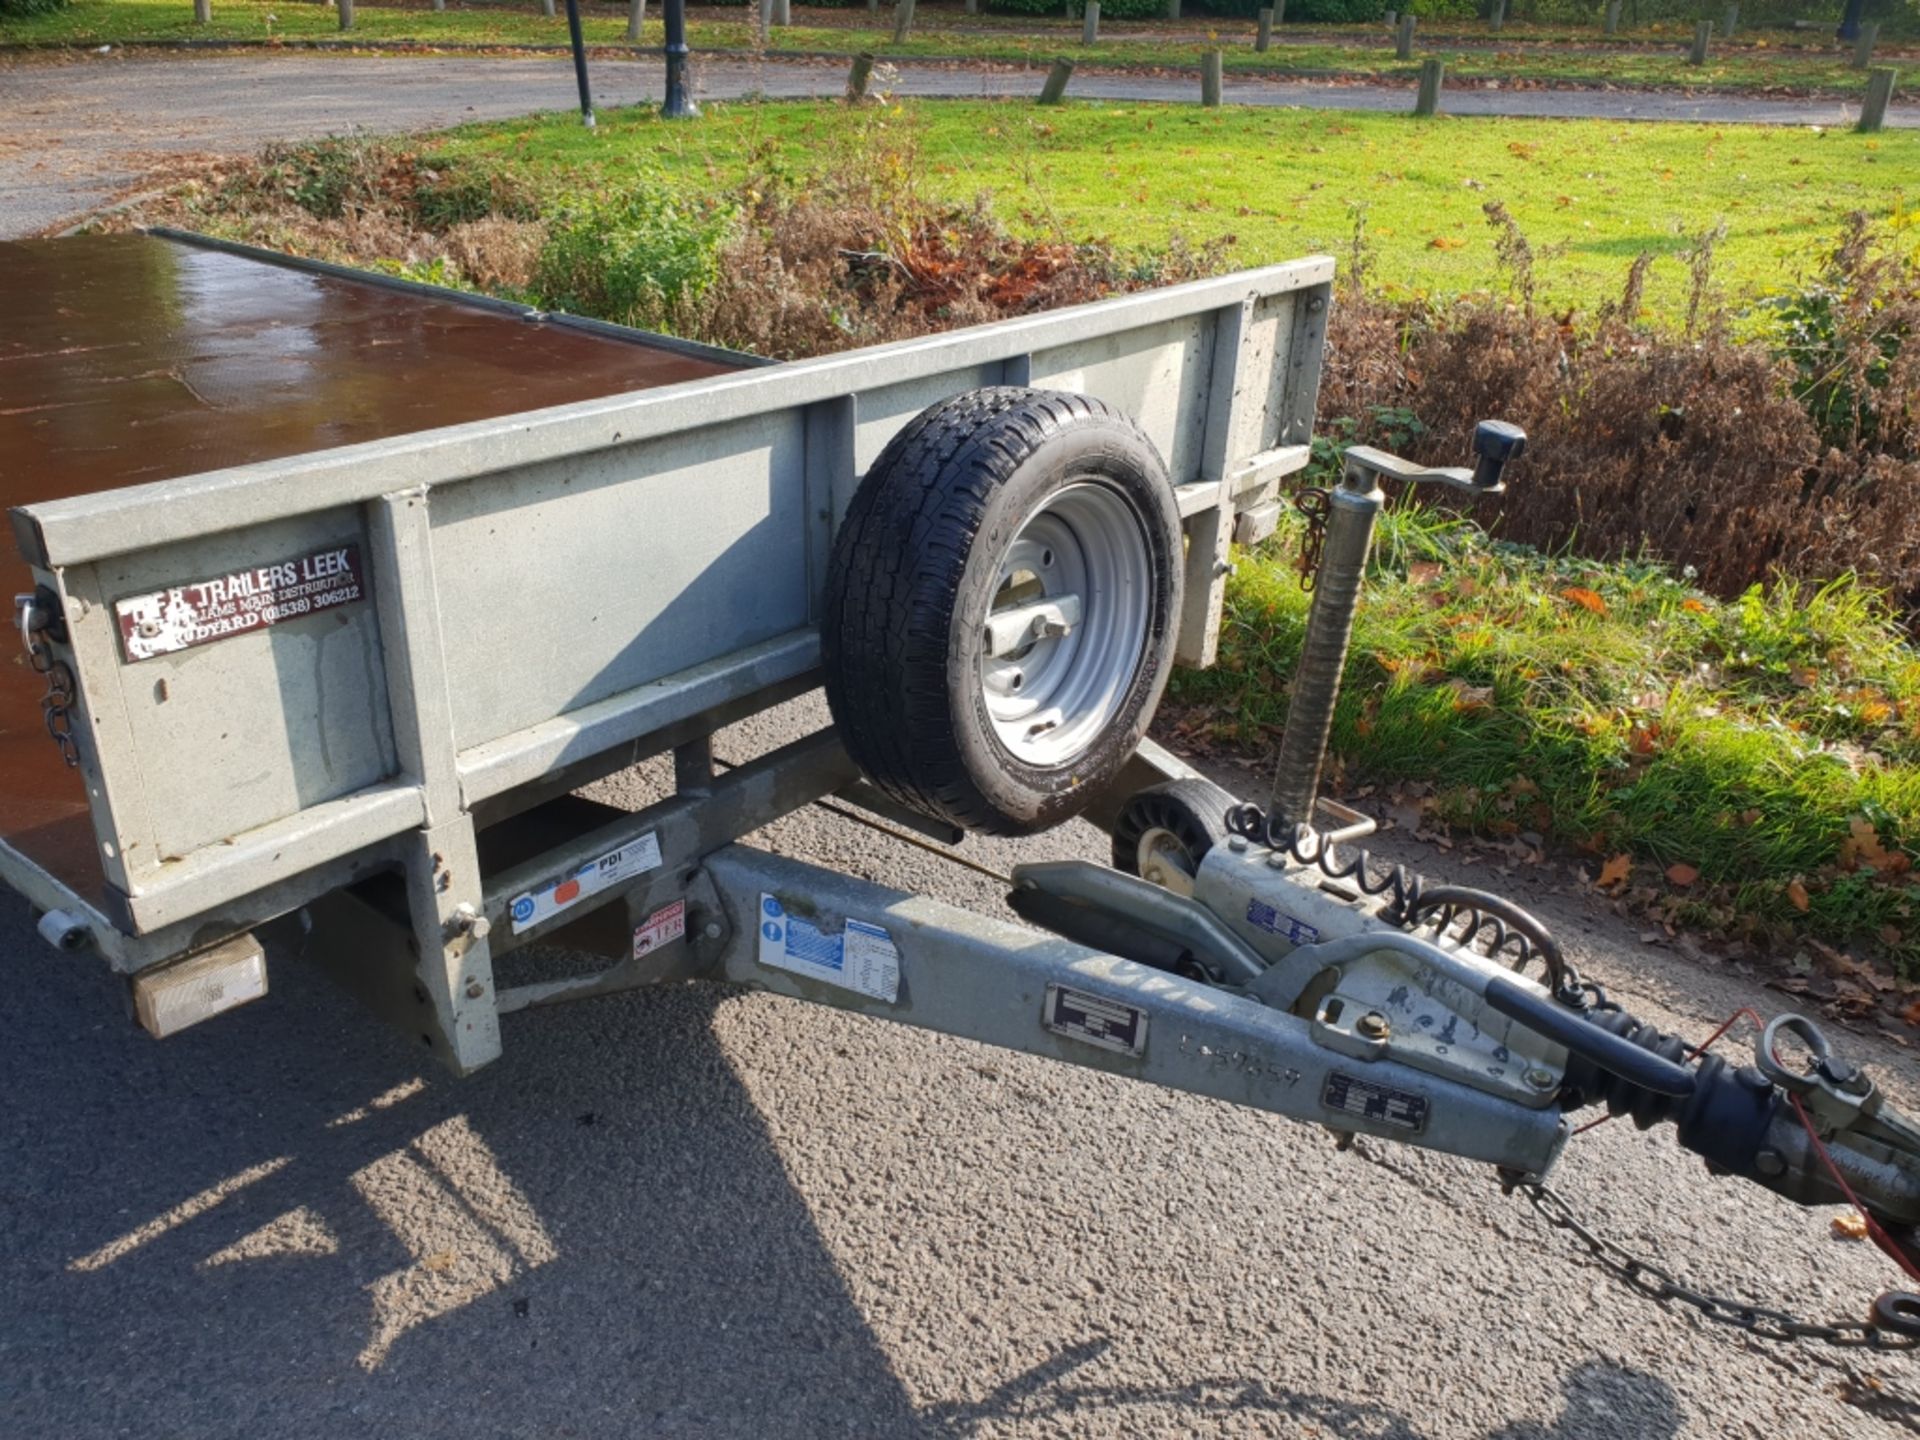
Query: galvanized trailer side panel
[{"x": 549, "y": 587}]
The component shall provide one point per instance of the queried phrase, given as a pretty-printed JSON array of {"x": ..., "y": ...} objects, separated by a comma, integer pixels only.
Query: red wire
[
  {"x": 1694, "y": 1052},
  {"x": 1874, "y": 1230},
  {"x": 1880, "y": 1237}
]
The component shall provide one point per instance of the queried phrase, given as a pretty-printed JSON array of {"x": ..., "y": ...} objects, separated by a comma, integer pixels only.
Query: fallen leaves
[
  {"x": 1446, "y": 242},
  {"x": 1586, "y": 599},
  {"x": 1616, "y": 871},
  {"x": 1797, "y": 896},
  {"x": 1682, "y": 874},
  {"x": 1850, "y": 1226}
]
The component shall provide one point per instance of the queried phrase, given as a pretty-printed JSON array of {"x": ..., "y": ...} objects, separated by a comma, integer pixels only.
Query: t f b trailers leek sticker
[{"x": 198, "y": 613}]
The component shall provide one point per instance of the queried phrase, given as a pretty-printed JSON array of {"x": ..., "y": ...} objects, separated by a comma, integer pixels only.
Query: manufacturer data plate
[
  {"x": 1380, "y": 1103},
  {"x": 183, "y": 616},
  {"x": 591, "y": 878},
  {"x": 1110, "y": 1024},
  {"x": 862, "y": 958}
]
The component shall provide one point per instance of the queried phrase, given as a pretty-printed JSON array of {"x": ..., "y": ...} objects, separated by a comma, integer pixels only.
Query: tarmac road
[
  {"x": 703, "y": 1213},
  {"x": 83, "y": 129}
]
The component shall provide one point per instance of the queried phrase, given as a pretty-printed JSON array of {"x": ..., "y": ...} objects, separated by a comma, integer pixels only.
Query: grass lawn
[
  {"x": 1649, "y": 59},
  {"x": 1590, "y": 194},
  {"x": 1752, "y": 766}
]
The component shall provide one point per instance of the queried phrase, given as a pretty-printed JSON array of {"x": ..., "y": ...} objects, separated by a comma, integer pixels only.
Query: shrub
[
  {"x": 635, "y": 256},
  {"x": 1697, "y": 449},
  {"x": 328, "y": 177},
  {"x": 20, "y": 9}
]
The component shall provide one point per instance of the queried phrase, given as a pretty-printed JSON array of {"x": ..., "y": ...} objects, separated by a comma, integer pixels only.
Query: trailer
[{"x": 338, "y": 588}]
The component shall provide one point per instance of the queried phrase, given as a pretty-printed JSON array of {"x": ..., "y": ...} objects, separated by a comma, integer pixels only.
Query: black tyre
[
  {"x": 1164, "y": 833},
  {"x": 1001, "y": 605}
]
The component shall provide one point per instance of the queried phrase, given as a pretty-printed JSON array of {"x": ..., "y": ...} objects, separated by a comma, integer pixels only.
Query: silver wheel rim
[{"x": 1067, "y": 626}]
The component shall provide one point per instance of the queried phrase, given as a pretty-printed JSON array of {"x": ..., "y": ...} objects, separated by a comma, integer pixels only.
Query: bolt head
[
  {"x": 1277, "y": 860},
  {"x": 475, "y": 990},
  {"x": 1237, "y": 843},
  {"x": 1539, "y": 1078},
  {"x": 1373, "y": 1026},
  {"x": 1770, "y": 1163},
  {"x": 712, "y": 931}
]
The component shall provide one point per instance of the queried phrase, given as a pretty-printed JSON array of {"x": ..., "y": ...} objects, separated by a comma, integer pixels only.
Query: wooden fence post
[
  {"x": 1173, "y": 9},
  {"x": 636, "y": 17},
  {"x": 1702, "y": 34},
  {"x": 546, "y": 8},
  {"x": 783, "y": 12},
  {"x": 1613, "y": 17},
  {"x": 1263, "y": 35},
  {"x": 1090, "y": 24},
  {"x": 346, "y": 14},
  {"x": 1863, "y": 44},
  {"x": 902, "y": 21},
  {"x": 1432, "y": 76},
  {"x": 1730, "y": 22},
  {"x": 1873, "y": 110},
  {"x": 1497, "y": 15},
  {"x": 1403, "y": 42},
  {"x": 858, "y": 76},
  {"x": 1210, "y": 79},
  {"x": 1055, "y": 90},
  {"x": 203, "y": 12}
]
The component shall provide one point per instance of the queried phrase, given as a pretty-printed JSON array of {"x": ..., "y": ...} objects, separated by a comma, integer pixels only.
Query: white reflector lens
[{"x": 168, "y": 1000}]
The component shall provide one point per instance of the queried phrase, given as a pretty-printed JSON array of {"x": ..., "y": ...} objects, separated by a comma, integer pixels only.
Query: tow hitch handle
[{"x": 1610, "y": 1052}]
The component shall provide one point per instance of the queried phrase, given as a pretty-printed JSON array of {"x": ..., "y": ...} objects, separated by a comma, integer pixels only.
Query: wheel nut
[
  {"x": 1372, "y": 1026},
  {"x": 1770, "y": 1163}
]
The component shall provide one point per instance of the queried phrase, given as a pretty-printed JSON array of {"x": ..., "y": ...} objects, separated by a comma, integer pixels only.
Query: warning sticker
[
  {"x": 666, "y": 924},
  {"x": 227, "y": 605},
  {"x": 862, "y": 958},
  {"x": 591, "y": 878},
  {"x": 1351, "y": 1096},
  {"x": 1110, "y": 1024}
]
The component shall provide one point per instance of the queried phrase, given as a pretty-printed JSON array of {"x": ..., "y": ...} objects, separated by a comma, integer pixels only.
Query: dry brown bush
[
  {"x": 496, "y": 254},
  {"x": 1698, "y": 450}
]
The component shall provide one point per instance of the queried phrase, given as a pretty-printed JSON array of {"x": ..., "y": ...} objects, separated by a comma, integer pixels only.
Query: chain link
[
  {"x": 1656, "y": 1284},
  {"x": 1316, "y": 504},
  {"x": 57, "y": 704}
]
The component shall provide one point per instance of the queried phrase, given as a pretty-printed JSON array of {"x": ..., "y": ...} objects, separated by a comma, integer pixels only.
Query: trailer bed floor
[{"x": 127, "y": 359}]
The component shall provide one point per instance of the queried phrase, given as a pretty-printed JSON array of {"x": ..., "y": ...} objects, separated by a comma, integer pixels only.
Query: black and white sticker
[
  {"x": 223, "y": 606},
  {"x": 1379, "y": 1103},
  {"x": 1110, "y": 1024}
]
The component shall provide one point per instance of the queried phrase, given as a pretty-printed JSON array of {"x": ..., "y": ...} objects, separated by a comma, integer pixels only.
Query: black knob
[{"x": 1495, "y": 442}]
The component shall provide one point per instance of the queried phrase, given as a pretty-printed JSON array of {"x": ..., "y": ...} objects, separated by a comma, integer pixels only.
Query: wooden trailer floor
[{"x": 128, "y": 359}]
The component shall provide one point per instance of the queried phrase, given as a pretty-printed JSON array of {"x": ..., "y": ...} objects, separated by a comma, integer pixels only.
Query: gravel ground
[
  {"x": 84, "y": 129},
  {"x": 699, "y": 1212}
]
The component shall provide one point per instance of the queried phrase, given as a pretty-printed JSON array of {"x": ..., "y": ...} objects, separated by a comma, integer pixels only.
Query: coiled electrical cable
[{"x": 1499, "y": 928}]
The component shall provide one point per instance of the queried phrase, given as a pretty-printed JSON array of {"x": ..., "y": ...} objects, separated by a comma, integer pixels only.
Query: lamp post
[
  {"x": 580, "y": 63},
  {"x": 677, "y": 106}
]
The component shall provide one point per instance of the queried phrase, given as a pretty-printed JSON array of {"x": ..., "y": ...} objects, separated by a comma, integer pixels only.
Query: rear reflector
[{"x": 170, "y": 999}]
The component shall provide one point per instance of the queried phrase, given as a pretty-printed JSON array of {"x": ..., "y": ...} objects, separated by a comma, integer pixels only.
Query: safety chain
[
  {"x": 1316, "y": 504},
  {"x": 1656, "y": 1284},
  {"x": 57, "y": 704}
]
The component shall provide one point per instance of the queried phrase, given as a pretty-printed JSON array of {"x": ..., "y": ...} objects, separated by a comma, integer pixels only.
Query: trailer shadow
[
  {"x": 286, "y": 1223},
  {"x": 1601, "y": 1401}
]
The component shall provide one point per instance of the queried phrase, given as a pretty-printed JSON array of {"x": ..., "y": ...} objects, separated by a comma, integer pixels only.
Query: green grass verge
[
  {"x": 1649, "y": 60},
  {"x": 1772, "y": 744},
  {"x": 1591, "y": 195}
]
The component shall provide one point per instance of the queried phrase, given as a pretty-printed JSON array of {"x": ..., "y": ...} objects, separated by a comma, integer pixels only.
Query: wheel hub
[{"x": 1067, "y": 626}]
